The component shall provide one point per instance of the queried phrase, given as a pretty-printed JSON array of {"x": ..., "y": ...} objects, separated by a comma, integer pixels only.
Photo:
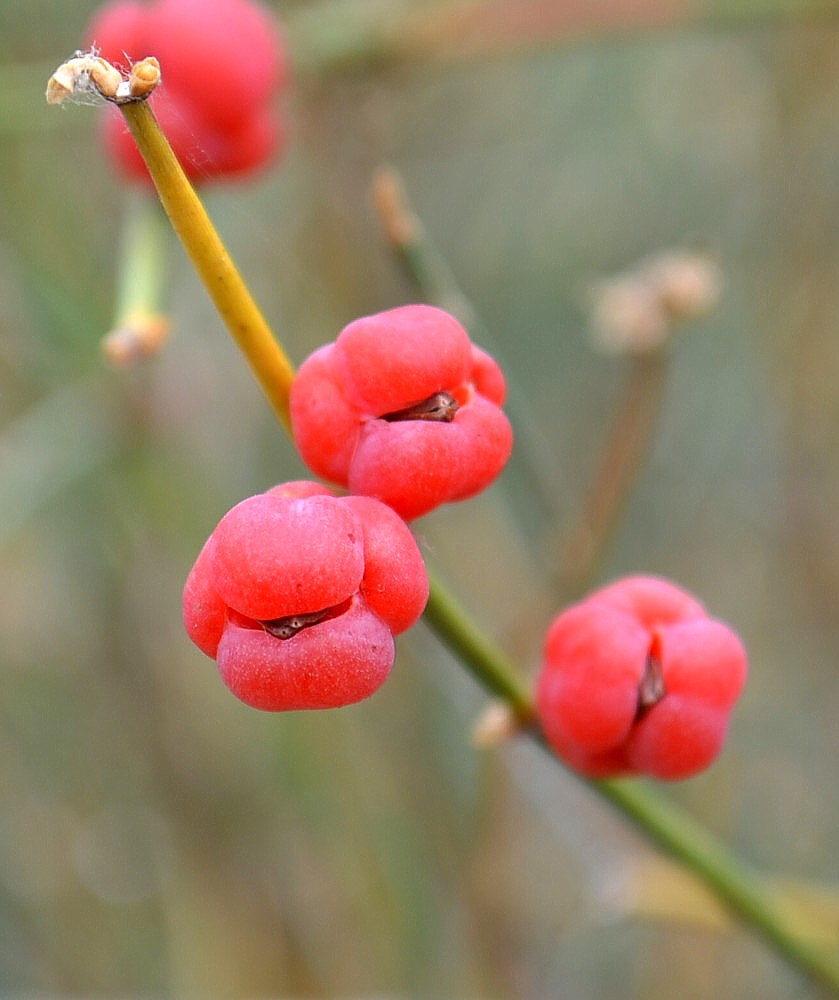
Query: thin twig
[{"x": 215, "y": 267}]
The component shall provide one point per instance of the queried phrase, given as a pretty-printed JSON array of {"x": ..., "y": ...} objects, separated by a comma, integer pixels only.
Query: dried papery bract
[
  {"x": 89, "y": 75},
  {"x": 143, "y": 78},
  {"x": 86, "y": 73}
]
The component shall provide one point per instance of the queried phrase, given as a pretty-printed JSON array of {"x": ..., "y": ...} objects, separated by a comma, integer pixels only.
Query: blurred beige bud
[
  {"x": 628, "y": 317},
  {"x": 637, "y": 311},
  {"x": 400, "y": 224},
  {"x": 688, "y": 284},
  {"x": 137, "y": 337},
  {"x": 497, "y": 724}
]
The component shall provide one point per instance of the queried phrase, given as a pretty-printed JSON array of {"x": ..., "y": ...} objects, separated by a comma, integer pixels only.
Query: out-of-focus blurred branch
[
  {"x": 140, "y": 326},
  {"x": 636, "y": 314},
  {"x": 336, "y": 35},
  {"x": 435, "y": 282},
  {"x": 633, "y": 426}
]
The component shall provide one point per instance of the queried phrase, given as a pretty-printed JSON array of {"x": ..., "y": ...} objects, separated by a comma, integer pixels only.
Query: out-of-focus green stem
[
  {"x": 143, "y": 260},
  {"x": 212, "y": 261},
  {"x": 140, "y": 325},
  {"x": 434, "y": 280},
  {"x": 742, "y": 890},
  {"x": 627, "y": 445}
]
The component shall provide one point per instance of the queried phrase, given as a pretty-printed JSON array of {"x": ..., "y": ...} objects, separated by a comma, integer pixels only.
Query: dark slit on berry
[
  {"x": 290, "y": 625},
  {"x": 441, "y": 408},
  {"x": 651, "y": 689}
]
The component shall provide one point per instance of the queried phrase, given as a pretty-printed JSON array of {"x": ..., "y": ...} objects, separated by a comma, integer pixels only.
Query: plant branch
[
  {"x": 621, "y": 460},
  {"x": 140, "y": 325},
  {"x": 339, "y": 35},
  {"x": 433, "y": 278},
  {"x": 662, "y": 822},
  {"x": 741, "y": 889},
  {"x": 468, "y": 642},
  {"x": 219, "y": 274}
]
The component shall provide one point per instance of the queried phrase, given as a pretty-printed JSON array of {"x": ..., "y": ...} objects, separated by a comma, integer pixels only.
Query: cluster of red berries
[
  {"x": 298, "y": 592},
  {"x": 224, "y": 62}
]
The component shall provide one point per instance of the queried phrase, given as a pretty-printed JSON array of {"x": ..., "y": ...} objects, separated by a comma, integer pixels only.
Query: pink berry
[
  {"x": 638, "y": 679},
  {"x": 402, "y": 407},
  {"x": 297, "y": 595},
  {"x": 223, "y": 61}
]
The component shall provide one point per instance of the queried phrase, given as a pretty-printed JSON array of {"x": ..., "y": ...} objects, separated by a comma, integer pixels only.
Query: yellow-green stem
[{"x": 212, "y": 261}]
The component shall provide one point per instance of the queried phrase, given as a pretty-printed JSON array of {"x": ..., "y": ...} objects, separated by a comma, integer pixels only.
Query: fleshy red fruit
[
  {"x": 223, "y": 62},
  {"x": 403, "y": 407},
  {"x": 297, "y": 595},
  {"x": 638, "y": 679}
]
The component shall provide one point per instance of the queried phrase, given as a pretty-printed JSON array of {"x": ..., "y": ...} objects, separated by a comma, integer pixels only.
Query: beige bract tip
[
  {"x": 139, "y": 336},
  {"x": 400, "y": 224},
  {"x": 144, "y": 77},
  {"x": 85, "y": 73},
  {"x": 637, "y": 311},
  {"x": 88, "y": 75},
  {"x": 497, "y": 724}
]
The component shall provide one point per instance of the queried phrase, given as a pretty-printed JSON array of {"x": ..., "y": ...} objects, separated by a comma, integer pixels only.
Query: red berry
[
  {"x": 638, "y": 679},
  {"x": 404, "y": 408},
  {"x": 222, "y": 63},
  {"x": 298, "y": 593}
]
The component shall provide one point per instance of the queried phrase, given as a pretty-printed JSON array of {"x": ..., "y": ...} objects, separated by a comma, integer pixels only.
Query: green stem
[
  {"x": 434, "y": 280},
  {"x": 470, "y": 644},
  {"x": 140, "y": 326},
  {"x": 741, "y": 889}
]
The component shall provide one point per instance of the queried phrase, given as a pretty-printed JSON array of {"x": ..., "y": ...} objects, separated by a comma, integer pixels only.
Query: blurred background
[{"x": 157, "y": 838}]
